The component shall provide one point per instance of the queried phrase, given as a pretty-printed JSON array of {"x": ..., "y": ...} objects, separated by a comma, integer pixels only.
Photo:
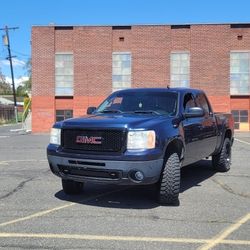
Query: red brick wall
[
  {"x": 209, "y": 59},
  {"x": 43, "y": 78},
  {"x": 92, "y": 61},
  {"x": 150, "y": 47},
  {"x": 220, "y": 103},
  {"x": 43, "y": 113},
  {"x": 150, "y": 56}
]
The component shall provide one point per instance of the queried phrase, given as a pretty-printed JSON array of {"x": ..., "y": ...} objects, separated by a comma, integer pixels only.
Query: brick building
[{"x": 76, "y": 67}]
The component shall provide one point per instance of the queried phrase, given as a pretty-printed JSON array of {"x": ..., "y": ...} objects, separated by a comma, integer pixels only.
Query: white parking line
[
  {"x": 45, "y": 212},
  {"x": 245, "y": 142},
  {"x": 11, "y": 161},
  {"x": 119, "y": 238},
  {"x": 218, "y": 239}
]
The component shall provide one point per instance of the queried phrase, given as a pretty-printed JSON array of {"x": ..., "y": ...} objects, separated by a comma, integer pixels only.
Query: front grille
[
  {"x": 111, "y": 140},
  {"x": 90, "y": 172}
]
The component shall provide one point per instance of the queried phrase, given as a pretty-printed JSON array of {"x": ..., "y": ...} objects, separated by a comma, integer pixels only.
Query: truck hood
[{"x": 119, "y": 121}]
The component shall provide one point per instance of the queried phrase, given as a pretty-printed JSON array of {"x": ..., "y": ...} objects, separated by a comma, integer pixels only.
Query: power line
[{"x": 20, "y": 53}]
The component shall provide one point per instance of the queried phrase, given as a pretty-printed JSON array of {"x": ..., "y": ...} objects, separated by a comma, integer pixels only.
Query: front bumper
[{"x": 105, "y": 171}]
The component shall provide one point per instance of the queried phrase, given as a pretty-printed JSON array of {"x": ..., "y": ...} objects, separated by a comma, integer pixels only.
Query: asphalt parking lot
[{"x": 214, "y": 210}]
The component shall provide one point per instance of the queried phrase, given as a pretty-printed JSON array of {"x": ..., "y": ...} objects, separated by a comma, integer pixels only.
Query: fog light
[{"x": 139, "y": 176}]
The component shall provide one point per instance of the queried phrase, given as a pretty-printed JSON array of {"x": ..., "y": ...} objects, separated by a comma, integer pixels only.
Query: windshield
[{"x": 160, "y": 103}]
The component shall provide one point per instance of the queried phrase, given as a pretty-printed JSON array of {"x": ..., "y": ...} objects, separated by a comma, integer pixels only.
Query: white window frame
[
  {"x": 231, "y": 87},
  {"x": 171, "y": 69},
  {"x": 115, "y": 88},
  {"x": 56, "y": 84}
]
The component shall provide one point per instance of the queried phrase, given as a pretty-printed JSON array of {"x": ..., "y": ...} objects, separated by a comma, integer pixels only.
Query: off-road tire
[
  {"x": 169, "y": 184},
  {"x": 72, "y": 187},
  {"x": 222, "y": 161}
]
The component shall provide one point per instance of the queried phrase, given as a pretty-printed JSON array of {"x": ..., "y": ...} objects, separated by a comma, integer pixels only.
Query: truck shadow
[{"x": 137, "y": 197}]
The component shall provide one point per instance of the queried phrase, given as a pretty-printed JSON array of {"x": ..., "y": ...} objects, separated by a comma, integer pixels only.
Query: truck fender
[{"x": 175, "y": 145}]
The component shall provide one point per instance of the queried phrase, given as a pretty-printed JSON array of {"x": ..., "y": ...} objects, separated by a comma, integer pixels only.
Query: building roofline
[{"x": 133, "y": 25}]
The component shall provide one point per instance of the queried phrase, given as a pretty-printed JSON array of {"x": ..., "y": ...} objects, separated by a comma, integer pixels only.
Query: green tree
[
  {"x": 20, "y": 91},
  {"x": 27, "y": 84},
  {"x": 23, "y": 89},
  {"x": 5, "y": 88}
]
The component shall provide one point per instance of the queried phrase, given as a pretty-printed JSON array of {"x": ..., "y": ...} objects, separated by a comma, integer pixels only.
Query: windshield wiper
[
  {"x": 146, "y": 112},
  {"x": 111, "y": 111}
]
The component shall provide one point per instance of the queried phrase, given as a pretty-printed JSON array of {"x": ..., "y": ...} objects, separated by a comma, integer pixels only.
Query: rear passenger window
[{"x": 202, "y": 102}]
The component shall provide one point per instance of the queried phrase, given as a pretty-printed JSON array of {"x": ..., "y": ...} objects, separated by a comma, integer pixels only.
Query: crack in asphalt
[
  {"x": 153, "y": 218},
  {"x": 21, "y": 185},
  {"x": 229, "y": 189},
  {"x": 17, "y": 188}
]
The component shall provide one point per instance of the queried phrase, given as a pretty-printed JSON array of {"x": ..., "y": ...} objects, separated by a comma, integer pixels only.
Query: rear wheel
[
  {"x": 169, "y": 185},
  {"x": 222, "y": 161},
  {"x": 72, "y": 187}
]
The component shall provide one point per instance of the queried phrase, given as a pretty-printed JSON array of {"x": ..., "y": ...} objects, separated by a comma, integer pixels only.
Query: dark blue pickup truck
[{"x": 138, "y": 137}]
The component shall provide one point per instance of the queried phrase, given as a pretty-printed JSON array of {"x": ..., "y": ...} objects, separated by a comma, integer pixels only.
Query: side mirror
[
  {"x": 194, "y": 112},
  {"x": 90, "y": 110}
]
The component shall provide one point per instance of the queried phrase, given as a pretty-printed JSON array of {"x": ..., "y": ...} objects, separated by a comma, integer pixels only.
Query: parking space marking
[
  {"x": 119, "y": 238},
  {"x": 101, "y": 237},
  {"x": 236, "y": 242},
  {"x": 45, "y": 212},
  {"x": 245, "y": 142},
  {"x": 30, "y": 160},
  {"x": 39, "y": 214},
  {"x": 6, "y": 163},
  {"x": 224, "y": 234}
]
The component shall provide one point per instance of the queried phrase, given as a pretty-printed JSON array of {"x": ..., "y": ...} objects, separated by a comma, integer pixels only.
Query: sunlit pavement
[{"x": 214, "y": 209}]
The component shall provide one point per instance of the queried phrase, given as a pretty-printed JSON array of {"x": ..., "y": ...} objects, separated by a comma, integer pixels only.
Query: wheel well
[
  {"x": 228, "y": 134},
  {"x": 174, "y": 146}
]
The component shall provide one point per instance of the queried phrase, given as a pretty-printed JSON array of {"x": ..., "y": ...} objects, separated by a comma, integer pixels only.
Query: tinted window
[
  {"x": 158, "y": 102},
  {"x": 202, "y": 102},
  {"x": 188, "y": 101}
]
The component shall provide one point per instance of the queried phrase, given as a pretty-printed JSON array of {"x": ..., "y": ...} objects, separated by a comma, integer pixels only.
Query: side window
[
  {"x": 202, "y": 102},
  {"x": 188, "y": 101}
]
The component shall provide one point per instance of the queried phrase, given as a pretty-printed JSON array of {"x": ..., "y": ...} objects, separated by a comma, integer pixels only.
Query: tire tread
[
  {"x": 170, "y": 181},
  {"x": 219, "y": 161}
]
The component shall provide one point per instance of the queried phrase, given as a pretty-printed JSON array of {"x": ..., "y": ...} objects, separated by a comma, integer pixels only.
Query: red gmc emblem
[{"x": 83, "y": 139}]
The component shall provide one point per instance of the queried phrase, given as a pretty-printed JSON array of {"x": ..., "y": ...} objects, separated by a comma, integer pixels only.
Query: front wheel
[
  {"x": 222, "y": 161},
  {"x": 72, "y": 187},
  {"x": 169, "y": 185}
]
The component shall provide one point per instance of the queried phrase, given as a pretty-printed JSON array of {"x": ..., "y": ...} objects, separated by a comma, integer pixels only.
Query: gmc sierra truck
[{"x": 138, "y": 137}]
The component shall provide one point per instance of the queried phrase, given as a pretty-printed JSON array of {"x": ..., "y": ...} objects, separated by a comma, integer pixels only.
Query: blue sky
[{"x": 25, "y": 13}]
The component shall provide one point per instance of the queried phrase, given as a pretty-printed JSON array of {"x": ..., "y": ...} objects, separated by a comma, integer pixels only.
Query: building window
[
  {"x": 179, "y": 69},
  {"x": 63, "y": 114},
  {"x": 240, "y": 119},
  {"x": 121, "y": 70},
  {"x": 240, "y": 73},
  {"x": 64, "y": 74}
]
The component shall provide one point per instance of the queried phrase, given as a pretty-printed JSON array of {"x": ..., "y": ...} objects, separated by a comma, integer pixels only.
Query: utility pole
[{"x": 7, "y": 43}]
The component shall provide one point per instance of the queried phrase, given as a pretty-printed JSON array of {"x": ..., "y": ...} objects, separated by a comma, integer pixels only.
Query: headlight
[
  {"x": 141, "y": 140},
  {"x": 55, "y": 136}
]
